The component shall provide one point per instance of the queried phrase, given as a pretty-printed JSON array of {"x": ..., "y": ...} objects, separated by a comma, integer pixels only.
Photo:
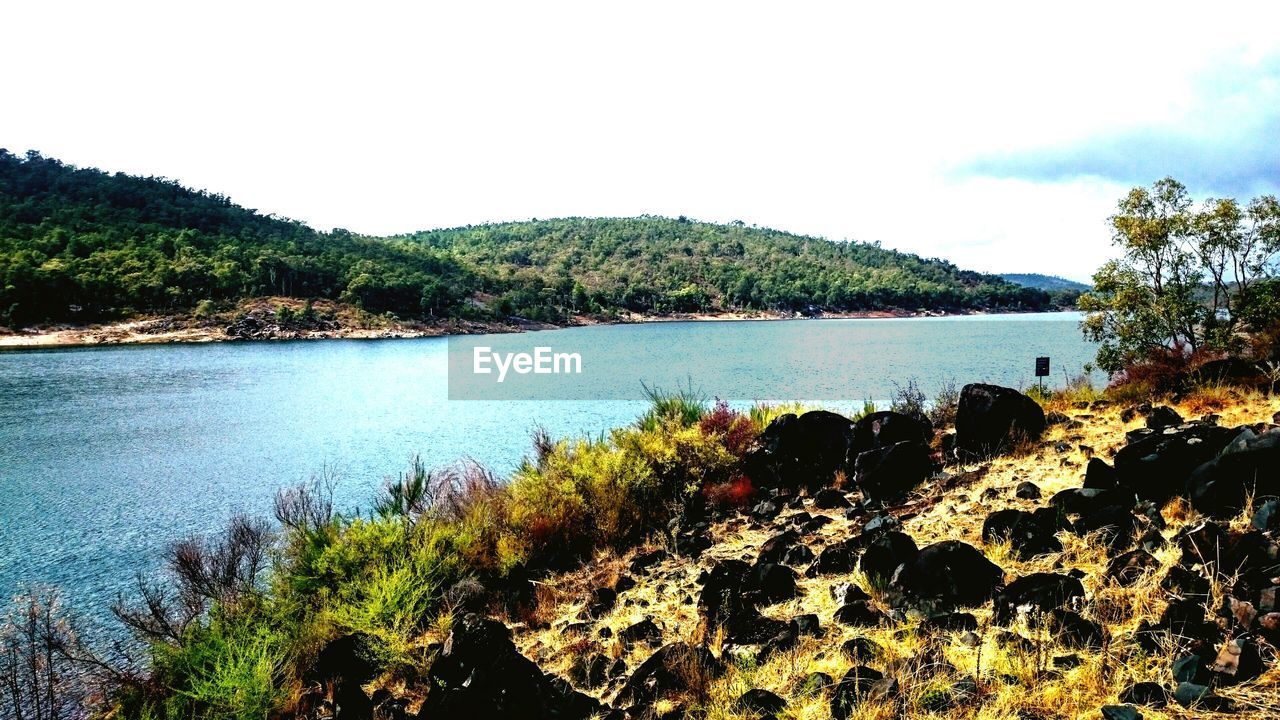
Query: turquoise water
[{"x": 107, "y": 455}]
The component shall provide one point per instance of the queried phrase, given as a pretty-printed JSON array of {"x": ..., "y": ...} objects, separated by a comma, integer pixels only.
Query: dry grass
[{"x": 1010, "y": 681}]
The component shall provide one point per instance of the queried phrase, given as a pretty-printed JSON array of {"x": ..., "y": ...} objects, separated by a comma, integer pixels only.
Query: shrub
[{"x": 225, "y": 672}]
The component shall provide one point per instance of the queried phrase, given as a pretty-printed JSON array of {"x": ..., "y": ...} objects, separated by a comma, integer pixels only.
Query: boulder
[
  {"x": 991, "y": 418},
  {"x": 1029, "y": 534},
  {"x": 1145, "y": 693},
  {"x": 830, "y": 499},
  {"x": 949, "y": 574},
  {"x": 759, "y": 702},
  {"x": 770, "y": 583},
  {"x": 1128, "y": 569},
  {"x": 886, "y": 428},
  {"x": 1074, "y": 631},
  {"x": 841, "y": 557},
  {"x": 669, "y": 670},
  {"x": 1162, "y": 417},
  {"x": 1155, "y": 465},
  {"x": 1250, "y": 464},
  {"x": 800, "y": 452},
  {"x": 479, "y": 673},
  {"x": 853, "y": 688},
  {"x": 350, "y": 659},
  {"x": 645, "y": 631},
  {"x": 885, "y": 554},
  {"x": 1027, "y": 491},
  {"x": 1035, "y": 593},
  {"x": 860, "y": 613},
  {"x": 889, "y": 473},
  {"x": 1099, "y": 475}
]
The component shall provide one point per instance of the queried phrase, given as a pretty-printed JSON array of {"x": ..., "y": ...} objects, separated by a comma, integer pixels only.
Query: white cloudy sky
[{"x": 997, "y": 137}]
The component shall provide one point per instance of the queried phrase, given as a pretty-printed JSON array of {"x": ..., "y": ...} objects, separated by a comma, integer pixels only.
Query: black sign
[{"x": 1042, "y": 367}]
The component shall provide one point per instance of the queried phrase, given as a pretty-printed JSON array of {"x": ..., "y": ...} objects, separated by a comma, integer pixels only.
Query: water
[{"x": 107, "y": 455}]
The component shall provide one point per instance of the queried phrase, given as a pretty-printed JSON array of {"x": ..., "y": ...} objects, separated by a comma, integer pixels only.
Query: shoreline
[{"x": 174, "y": 329}]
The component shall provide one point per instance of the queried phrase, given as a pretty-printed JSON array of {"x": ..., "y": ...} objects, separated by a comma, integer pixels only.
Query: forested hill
[{"x": 80, "y": 245}]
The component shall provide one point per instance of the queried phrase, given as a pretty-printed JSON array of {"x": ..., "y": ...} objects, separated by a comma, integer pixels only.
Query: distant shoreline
[{"x": 158, "y": 330}]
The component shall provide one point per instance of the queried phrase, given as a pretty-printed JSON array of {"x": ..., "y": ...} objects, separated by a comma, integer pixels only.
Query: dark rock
[
  {"x": 776, "y": 548},
  {"x": 801, "y": 452},
  {"x": 770, "y": 583},
  {"x": 847, "y": 592},
  {"x": 861, "y": 649},
  {"x": 645, "y": 631},
  {"x": 1156, "y": 465},
  {"x": 479, "y": 673},
  {"x": 853, "y": 688},
  {"x": 1036, "y": 593},
  {"x": 949, "y": 574},
  {"x": 1129, "y": 568},
  {"x": 830, "y": 499},
  {"x": 1120, "y": 712},
  {"x": 1056, "y": 418},
  {"x": 1267, "y": 517},
  {"x": 1087, "y": 501},
  {"x": 1204, "y": 543},
  {"x": 1191, "y": 669},
  {"x": 1098, "y": 475},
  {"x": 766, "y": 510},
  {"x": 1027, "y": 491},
  {"x": 885, "y": 554},
  {"x": 991, "y": 418},
  {"x": 1029, "y": 534},
  {"x": 841, "y": 557},
  {"x": 1191, "y": 695},
  {"x": 1230, "y": 371},
  {"x": 1145, "y": 693},
  {"x": 889, "y": 473},
  {"x": 669, "y": 670},
  {"x": 1185, "y": 583},
  {"x": 886, "y": 428},
  {"x": 602, "y": 601},
  {"x": 1162, "y": 417},
  {"x": 1250, "y": 464},
  {"x": 644, "y": 561},
  {"x": 759, "y": 701},
  {"x": 1239, "y": 660},
  {"x": 1074, "y": 631},
  {"x": 590, "y": 671},
  {"x": 881, "y": 523},
  {"x": 1115, "y": 524},
  {"x": 950, "y": 622},
  {"x": 860, "y": 613},
  {"x": 815, "y": 683},
  {"x": 350, "y": 659},
  {"x": 807, "y": 624},
  {"x": 624, "y": 583}
]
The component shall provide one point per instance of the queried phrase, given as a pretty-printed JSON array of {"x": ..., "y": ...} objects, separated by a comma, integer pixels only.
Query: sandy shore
[{"x": 154, "y": 330}]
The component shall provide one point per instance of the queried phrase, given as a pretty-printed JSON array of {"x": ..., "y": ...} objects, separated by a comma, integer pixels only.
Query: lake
[{"x": 108, "y": 455}]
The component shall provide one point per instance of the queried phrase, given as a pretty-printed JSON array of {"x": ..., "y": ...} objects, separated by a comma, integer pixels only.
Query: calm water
[{"x": 109, "y": 454}]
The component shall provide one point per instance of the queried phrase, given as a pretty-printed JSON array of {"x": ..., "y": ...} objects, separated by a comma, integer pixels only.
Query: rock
[
  {"x": 1035, "y": 593},
  {"x": 1128, "y": 569},
  {"x": 860, "y": 649},
  {"x": 1027, "y": 491},
  {"x": 1191, "y": 695},
  {"x": 853, "y": 688},
  {"x": 1087, "y": 501},
  {"x": 1145, "y": 693},
  {"x": 348, "y": 660},
  {"x": 991, "y": 418},
  {"x": 830, "y": 499},
  {"x": 770, "y": 583},
  {"x": 1267, "y": 517},
  {"x": 815, "y": 683},
  {"x": 847, "y": 592},
  {"x": 1239, "y": 660},
  {"x": 1116, "y": 525},
  {"x": 1205, "y": 543},
  {"x": 1156, "y": 465},
  {"x": 1185, "y": 583},
  {"x": 590, "y": 671},
  {"x": 644, "y": 561},
  {"x": 645, "y": 631},
  {"x": 949, "y": 574},
  {"x": 1098, "y": 475},
  {"x": 889, "y": 473},
  {"x": 479, "y": 673},
  {"x": 1056, "y": 418},
  {"x": 841, "y": 557},
  {"x": 1191, "y": 669},
  {"x": 970, "y": 639},
  {"x": 881, "y": 523},
  {"x": 1232, "y": 371},
  {"x": 669, "y": 670},
  {"x": 885, "y": 428},
  {"x": 1074, "y": 631},
  {"x": 950, "y": 622},
  {"x": 1029, "y": 534},
  {"x": 801, "y": 452},
  {"x": 860, "y": 613},
  {"x": 1162, "y": 417},
  {"x": 776, "y": 548},
  {"x": 602, "y": 601},
  {"x": 807, "y": 624},
  {"x": 1120, "y": 712},
  {"x": 1250, "y": 464},
  {"x": 885, "y": 555},
  {"x": 766, "y": 510},
  {"x": 759, "y": 702}
]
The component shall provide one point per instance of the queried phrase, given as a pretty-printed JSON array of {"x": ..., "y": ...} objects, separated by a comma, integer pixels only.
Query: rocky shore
[{"x": 1097, "y": 560}]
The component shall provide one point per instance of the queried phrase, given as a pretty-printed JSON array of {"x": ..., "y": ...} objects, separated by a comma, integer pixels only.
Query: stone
[
  {"x": 1120, "y": 712},
  {"x": 760, "y": 702},
  {"x": 1162, "y": 417},
  {"x": 830, "y": 499},
  {"x": 890, "y": 473},
  {"x": 1249, "y": 465},
  {"x": 1027, "y": 491},
  {"x": 860, "y": 613},
  {"x": 644, "y": 631},
  {"x": 1035, "y": 593},
  {"x": 1145, "y": 693},
  {"x": 803, "y": 452},
  {"x": 1098, "y": 475},
  {"x": 1128, "y": 568},
  {"x": 950, "y": 573},
  {"x": 885, "y": 554},
  {"x": 886, "y": 427},
  {"x": 990, "y": 419},
  {"x": 1028, "y": 534},
  {"x": 855, "y": 687}
]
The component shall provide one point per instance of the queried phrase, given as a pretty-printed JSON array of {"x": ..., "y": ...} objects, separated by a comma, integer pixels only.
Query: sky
[{"x": 997, "y": 136}]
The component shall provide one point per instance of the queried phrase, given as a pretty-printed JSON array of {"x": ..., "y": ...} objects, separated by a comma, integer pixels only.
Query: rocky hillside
[{"x": 1111, "y": 561}]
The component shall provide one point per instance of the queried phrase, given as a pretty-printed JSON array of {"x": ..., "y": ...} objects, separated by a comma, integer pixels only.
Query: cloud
[{"x": 1223, "y": 143}]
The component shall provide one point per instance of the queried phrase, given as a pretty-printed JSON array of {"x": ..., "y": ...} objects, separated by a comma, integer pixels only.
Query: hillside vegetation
[{"x": 82, "y": 245}]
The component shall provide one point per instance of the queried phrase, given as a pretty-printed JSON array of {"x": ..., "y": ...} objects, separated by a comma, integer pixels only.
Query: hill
[
  {"x": 1048, "y": 283},
  {"x": 83, "y": 245}
]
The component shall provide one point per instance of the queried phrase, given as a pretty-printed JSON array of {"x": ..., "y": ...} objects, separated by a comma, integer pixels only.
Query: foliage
[
  {"x": 1185, "y": 277},
  {"x": 79, "y": 245}
]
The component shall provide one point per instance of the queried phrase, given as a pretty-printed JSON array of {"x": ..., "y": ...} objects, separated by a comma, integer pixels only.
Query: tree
[{"x": 1181, "y": 274}]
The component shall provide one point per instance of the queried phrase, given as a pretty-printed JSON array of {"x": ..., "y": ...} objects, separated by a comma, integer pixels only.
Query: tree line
[{"x": 82, "y": 245}]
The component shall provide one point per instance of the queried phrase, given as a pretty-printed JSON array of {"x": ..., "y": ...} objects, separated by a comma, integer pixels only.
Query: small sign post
[{"x": 1042, "y": 371}]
